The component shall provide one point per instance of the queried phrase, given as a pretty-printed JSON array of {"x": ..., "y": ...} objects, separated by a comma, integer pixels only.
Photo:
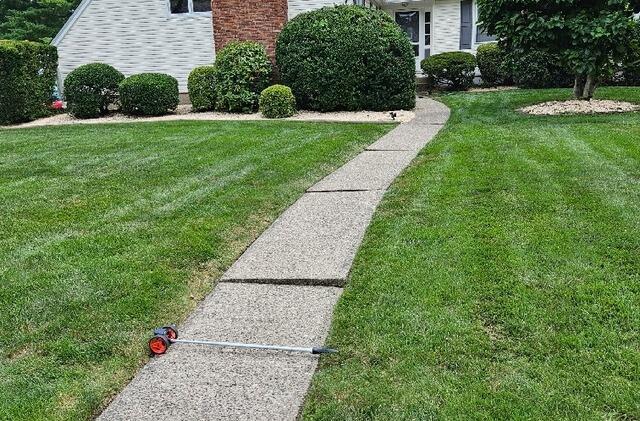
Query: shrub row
[
  {"x": 27, "y": 79},
  {"x": 335, "y": 58},
  {"x": 456, "y": 70},
  {"x": 538, "y": 69},
  {"x": 92, "y": 88},
  {"x": 238, "y": 82}
]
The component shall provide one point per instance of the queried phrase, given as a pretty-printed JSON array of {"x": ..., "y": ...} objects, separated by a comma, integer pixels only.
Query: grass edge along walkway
[
  {"x": 110, "y": 230},
  {"x": 500, "y": 276}
]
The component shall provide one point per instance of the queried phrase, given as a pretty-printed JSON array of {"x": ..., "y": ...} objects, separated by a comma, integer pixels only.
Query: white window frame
[
  {"x": 189, "y": 13},
  {"x": 474, "y": 36},
  {"x": 421, "y": 25}
]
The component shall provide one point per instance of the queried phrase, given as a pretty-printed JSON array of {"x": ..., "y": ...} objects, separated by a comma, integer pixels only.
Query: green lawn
[
  {"x": 109, "y": 230},
  {"x": 500, "y": 278}
]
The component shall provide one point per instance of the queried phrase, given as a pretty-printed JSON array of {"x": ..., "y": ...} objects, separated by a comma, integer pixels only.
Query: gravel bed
[
  {"x": 184, "y": 113},
  {"x": 595, "y": 106}
]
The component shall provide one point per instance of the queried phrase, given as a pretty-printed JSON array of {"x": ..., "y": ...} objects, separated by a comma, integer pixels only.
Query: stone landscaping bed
[
  {"x": 184, "y": 113},
  {"x": 595, "y": 106}
]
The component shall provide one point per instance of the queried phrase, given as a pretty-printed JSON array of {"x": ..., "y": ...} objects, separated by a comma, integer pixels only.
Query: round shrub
[
  {"x": 91, "y": 89},
  {"x": 277, "y": 101},
  {"x": 347, "y": 58},
  {"x": 455, "y": 70},
  {"x": 243, "y": 70},
  {"x": 537, "y": 69},
  {"x": 489, "y": 58},
  {"x": 149, "y": 94},
  {"x": 202, "y": 85}
]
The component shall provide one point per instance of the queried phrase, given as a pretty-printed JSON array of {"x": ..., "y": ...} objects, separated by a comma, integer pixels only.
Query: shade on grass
[
  {"x": 500, "y": 278},
  {"x": 107, "y": 231}
]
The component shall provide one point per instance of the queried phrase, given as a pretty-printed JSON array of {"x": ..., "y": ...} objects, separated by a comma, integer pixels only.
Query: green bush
[
  {"x": 347, "y": 58},
  {"x": 91, "y": 89},
  {"x": 149, "y": 94},
  {"x": 27, "y": 79},
  {"x": 628, "y": 73},
  {"x": 243, "y": 70},
  {"x": 455, "y": 70},
  {"x": 202, "y": 85},
  {"x": 537, "y": 69},
  {"x": 277, "y": 101},
  {"x": 490, "y": 58}
]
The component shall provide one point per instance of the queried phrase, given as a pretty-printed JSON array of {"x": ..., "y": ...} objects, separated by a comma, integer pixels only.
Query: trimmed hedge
[
  {"x": 149, "y": 94},
  {"x": 277, "y": 101},
  {"x": 27, "y": 79},
  {"x": 91, "y": 89},
  {"x": 490, "y": 58},
  {"x": 243, "y": 70},
  {"x": 455, "y": 70},
  {"x": 347, "y": 58},
  {"x": 202, "y": 88},
  {"x": 537, "y": 69}
]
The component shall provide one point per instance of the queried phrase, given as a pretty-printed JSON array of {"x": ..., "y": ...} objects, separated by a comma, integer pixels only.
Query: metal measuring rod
[{"x": 164, "y": 337}]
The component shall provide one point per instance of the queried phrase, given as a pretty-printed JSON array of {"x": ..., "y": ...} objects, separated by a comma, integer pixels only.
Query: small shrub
[
  {"x": 347, "y": 58},
  {"x": 202, "y": 85},
  {"x": 277, "y": 101},
  {"x": 243, "y": 70},
  {"x": 537, "y": 69},
  {"x": 455, "y": 70},
  {"x": 489, "y": 58},
  {"x": 27, "y": 80},
  {"x": 91, "y": 89},
  {"x": 149, "y": 94}
]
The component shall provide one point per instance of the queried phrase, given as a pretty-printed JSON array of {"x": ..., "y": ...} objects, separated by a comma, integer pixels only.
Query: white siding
[
  {"x": 446, "y": 26},
  {"x": 138, "y": 36},
  {"x": 300, "y": 6}
]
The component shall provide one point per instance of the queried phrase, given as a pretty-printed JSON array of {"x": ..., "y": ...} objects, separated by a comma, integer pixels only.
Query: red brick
[{"x": 255, "y": 20}]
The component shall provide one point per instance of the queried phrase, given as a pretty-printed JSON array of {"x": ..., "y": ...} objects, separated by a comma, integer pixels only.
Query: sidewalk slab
[
  {"x": 313, "y": 242},
  {"x": 371, "y": 170},
  {"x": 193, "y": 382},
  {"x": 407, "y": 137},
  {"x": 428, "y": 111}
]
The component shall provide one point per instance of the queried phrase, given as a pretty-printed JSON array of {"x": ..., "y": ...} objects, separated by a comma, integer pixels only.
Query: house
[{"x": 174, "y": 36}]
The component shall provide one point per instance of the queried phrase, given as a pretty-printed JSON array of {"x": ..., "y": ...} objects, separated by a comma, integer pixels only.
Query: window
[
  {"x": 482, "y": 36},
  {"x": 410, "y": 24},
  {"x": 189, "y": 6},
  {"x": 427, "y": 34},
  {"x": 201, "y": 5}
]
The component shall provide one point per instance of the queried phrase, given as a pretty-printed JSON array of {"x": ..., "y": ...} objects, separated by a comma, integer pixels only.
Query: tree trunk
[
  {"x": 578, "y": 86},
  {"x": 589, "y": 88}
]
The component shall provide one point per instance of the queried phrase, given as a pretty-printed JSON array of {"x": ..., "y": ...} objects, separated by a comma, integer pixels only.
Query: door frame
[{"x": 422, "y": 11}]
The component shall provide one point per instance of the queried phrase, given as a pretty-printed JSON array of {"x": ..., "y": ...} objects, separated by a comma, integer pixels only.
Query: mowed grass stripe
[
  {"x": 500, "y": 278},
  {"x": 109, "y": 230}
]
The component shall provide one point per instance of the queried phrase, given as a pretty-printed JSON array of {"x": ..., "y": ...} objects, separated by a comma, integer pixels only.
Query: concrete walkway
[{"x": 282, "y": 290}]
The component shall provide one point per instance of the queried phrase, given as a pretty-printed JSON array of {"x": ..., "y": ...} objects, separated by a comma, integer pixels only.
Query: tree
[
  {"x": 33, "y": 20},
  {"x": 591, "y": 36}
]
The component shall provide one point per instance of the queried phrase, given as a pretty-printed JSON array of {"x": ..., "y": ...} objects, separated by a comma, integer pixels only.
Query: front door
[{"x": 417, "y": 25}]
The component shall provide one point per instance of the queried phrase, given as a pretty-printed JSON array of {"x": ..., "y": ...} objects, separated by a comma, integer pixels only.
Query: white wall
[
  {"x": 300, "y": 6},
  {"x": 446, "y": 26},
  {"x": 138, "y": 36}
]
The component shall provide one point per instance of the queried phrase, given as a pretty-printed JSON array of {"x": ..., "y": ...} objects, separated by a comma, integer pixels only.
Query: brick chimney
[{"x": 255, "y": 20}]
